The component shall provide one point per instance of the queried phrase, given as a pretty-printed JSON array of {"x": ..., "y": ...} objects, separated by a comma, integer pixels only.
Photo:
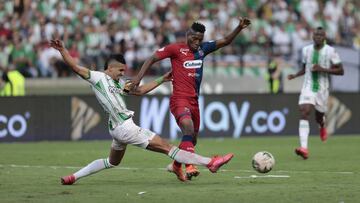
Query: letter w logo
[
  {"x": 153, "y": 113},
  {"x": 83, "y": 118}
]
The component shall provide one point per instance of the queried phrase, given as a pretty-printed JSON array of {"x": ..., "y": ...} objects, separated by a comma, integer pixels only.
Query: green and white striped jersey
[
  {"x": 110, "y": 95},
  {"x": 324, "y": 57}
]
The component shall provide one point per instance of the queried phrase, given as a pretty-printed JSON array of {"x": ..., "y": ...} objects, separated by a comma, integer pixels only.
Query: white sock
[
  {"x": 93, "y": 167},
  {"x": 185, "y": 157},
  {"x": 304, "y": 130}
]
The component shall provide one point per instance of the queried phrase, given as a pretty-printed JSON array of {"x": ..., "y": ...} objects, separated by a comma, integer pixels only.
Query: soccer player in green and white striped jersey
[
  {"x": 319, "y": 61},
  {"x": 110, "y": 89}
]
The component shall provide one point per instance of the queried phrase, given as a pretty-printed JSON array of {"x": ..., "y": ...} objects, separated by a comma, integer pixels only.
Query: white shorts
[
  {"x": 318, "y": 99},
  {"x": 130, "y": 133}
]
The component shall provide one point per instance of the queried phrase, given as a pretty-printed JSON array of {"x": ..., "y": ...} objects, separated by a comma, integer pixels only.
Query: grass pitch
[{"x": 29, "y": 172}]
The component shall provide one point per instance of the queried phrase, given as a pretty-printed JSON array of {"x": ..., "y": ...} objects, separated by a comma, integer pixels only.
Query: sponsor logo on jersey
[
  {"x": 194, "y": 75},
  {"x": 115, "y": 90},
  {"x": 193, "y": 64},
  {"x": 184, "y": 51},
  {"x": 201, "y": 53}
]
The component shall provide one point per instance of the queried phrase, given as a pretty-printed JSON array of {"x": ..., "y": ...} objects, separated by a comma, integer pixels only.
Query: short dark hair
[
  {"x": 114, "y": 57},
  {"x": 198, "y": 27},
  {"x": 319, "y": 29}
]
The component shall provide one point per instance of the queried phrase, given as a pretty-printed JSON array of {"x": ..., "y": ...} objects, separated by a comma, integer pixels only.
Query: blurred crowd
[{"x": 91, "y": 29}]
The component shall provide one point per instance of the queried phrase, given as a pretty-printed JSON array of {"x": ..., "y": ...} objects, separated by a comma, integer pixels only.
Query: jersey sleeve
[
  {"x": 208, "y": 47},
  {"x": 165, "y": 52},
  {"x": 334, "y": 57},
  {"x": 95, "y": 76}
]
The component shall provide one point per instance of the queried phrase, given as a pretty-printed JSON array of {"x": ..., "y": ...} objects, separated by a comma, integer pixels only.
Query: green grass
[{"x": 29, "y": 172}]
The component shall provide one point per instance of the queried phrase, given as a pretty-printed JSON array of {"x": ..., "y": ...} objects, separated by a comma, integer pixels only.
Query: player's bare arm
[
  {"x": 143, "y": 89},
  {"x": 243, "y": 23},
  {"x": 298, "y": 74},
  {"x": 81, "y": 71},
  {"x": 336, "y": 69},
  {"x": 147, "y": 64}
]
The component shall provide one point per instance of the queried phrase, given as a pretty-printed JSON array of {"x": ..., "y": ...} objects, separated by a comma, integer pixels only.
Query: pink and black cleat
[
  {"x": 217, "y": 161},
  {"x": 303, "y": 152},
  {"x": 68, "y": 180},
  {"x": 323, "y": 134}
]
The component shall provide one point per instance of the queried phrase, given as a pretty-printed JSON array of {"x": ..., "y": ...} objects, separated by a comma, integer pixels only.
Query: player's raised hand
[
  {"x": 56, "y": 44},
  {"x": 127, "y": 87},
  {"x": 133, "y": 84},
  {"x": 244, "y": 22},
  {"x": 291, "y": 76}
]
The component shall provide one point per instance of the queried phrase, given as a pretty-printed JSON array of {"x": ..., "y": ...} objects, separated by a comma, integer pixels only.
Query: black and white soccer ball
[{"x": 263, "y": 162}]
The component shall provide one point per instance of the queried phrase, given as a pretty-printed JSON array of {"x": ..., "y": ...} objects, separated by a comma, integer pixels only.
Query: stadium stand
[{"x": 92, "y": 29}]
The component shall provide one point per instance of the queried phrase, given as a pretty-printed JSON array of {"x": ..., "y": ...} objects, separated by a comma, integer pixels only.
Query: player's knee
[
  {"x": 113, "y": 163},
  {"x": 186, "y": 121},
  {"x": 304, "y": 116},
  {"x": 187, "y": 127},
  {"x": 189, "y": 131},
  {"x": 304, "y": 113}
]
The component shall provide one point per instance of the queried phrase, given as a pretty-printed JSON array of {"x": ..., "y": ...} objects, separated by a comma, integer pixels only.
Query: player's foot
[
  {"x": 177, "y": 170},
  {"x": 217, "y": 161},
  {"x": 303, "y": 152},
  {"x": 68, "y": 180},
  {"x": 323, "y": 134},
  {"x": 191, "y": 171}
]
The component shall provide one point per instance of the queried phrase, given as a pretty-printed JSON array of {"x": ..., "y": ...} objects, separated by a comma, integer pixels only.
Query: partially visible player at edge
[
  {"x": 108, "y": 88},
  {"x": 187, "y": 69},
  {"x": 319, "y": 61}
]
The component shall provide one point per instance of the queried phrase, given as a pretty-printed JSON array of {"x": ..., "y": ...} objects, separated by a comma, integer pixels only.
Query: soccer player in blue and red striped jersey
[{"x": 187, "y": 60}]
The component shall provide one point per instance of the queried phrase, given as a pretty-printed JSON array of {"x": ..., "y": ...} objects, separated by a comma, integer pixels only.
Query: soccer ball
[{"x": 263, "y": 162}]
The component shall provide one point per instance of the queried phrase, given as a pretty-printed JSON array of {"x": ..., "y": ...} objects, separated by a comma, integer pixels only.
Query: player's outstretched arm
[
  {"x": 143, "y": 89},
  {"x": 81, "y": 71},
  {"x": 300, "y": 73},
  {"x": 147, "y": 64},
  {"x": 243, "y": 23}
]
